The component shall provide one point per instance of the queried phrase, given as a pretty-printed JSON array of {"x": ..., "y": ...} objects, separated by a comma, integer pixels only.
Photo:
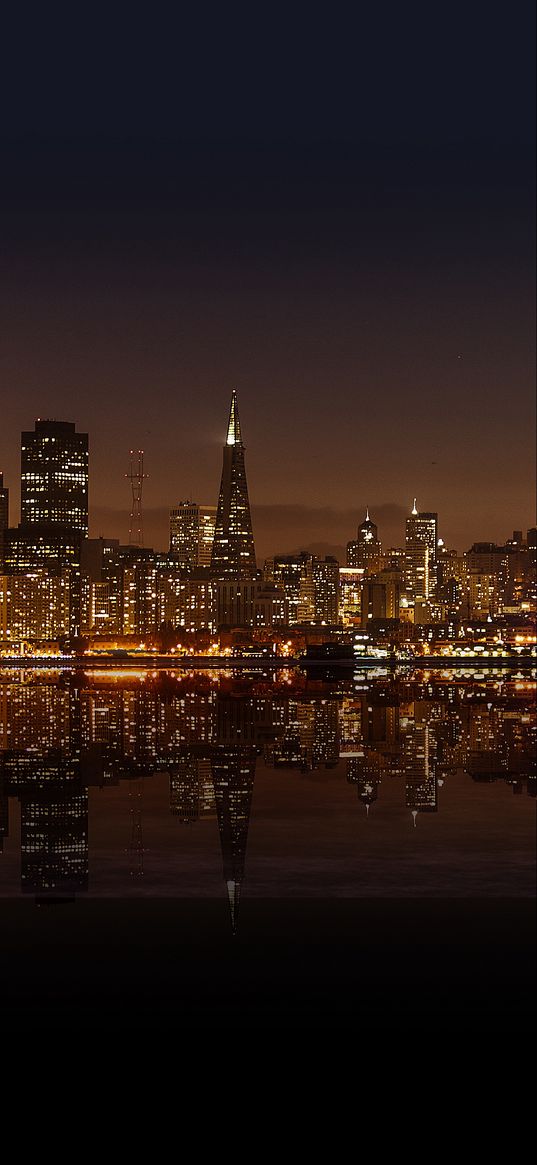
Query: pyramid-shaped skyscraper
[{"x": 233, "y": 553}]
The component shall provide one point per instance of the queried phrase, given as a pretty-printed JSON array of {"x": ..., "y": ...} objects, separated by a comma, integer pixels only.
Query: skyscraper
[
  {"x": 233, "y": 552},
  {"x": 366, "y": 550},
  {"x": 326, "y": 589},
  {"x": 192, "y": 533},
  {"x": 54, "y": 477},
  {"x": 54, "y": 506},
  {"x": 420, "y": 553}
]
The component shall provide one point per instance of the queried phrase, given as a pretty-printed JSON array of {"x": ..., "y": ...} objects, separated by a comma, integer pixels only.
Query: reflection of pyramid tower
[{"x": 233, "y": 771}]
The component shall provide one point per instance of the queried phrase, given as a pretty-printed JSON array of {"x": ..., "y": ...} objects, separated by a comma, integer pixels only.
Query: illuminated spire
[
  {"x": 414, "y": 511},
  {"x": 367, "y": 514},
  {"x": 234, "y": 425}
]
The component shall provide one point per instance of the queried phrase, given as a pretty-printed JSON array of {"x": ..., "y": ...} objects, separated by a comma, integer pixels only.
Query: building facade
[
  {"x": 34, "y": 606},
  {"x": 54, "y": 477},
  {"x": 420, "y": 553},
  {"x": 192, "y": 534},
  {"x": 365, "y": 552}
]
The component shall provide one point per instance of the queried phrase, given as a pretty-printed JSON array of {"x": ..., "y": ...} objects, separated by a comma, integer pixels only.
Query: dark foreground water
[{"x": 348, "y": 855}]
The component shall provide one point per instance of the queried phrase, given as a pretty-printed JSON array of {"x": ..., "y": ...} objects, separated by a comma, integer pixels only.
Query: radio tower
[{"x": 136, "y": 476}]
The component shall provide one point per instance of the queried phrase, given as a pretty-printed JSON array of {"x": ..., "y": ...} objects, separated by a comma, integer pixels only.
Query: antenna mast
[{"x": 136, "y": 476}]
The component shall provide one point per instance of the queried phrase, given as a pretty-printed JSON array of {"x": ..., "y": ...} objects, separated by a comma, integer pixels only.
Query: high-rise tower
[
  {"x": 54, "y": 507},
  {"x": 54, "y": 477},
  {"x": 366, "y": 550},
  {"x": 233, "y": 553},
  {"x": 420, "y": 552},
  {"x": 192, "y": 534}
]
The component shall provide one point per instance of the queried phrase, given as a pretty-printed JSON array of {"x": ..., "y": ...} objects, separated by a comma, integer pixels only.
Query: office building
[
  {"x": 187, "y": 601},
  {"x": 251, "y": 603},
  {"x": 54, "y": 477},
  {"x": 293, "y": 573},
  {"x": 350, "y": 595},
  {"x": 192, "y": 534},
  {"x": 326, "y": 590},
  {"x": 34, "y": 606},
  {"x": 420, "y": 553},
  {"x": 381, "y": 596}
]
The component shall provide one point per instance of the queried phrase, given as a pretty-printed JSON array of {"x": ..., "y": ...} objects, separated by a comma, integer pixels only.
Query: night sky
[{"x": 334, "y": 217}]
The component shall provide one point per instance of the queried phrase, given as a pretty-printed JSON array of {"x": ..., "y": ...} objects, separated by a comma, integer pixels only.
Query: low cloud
[
  {"x": 278, "y": 529},
  {"x": 321, "y": 529}
]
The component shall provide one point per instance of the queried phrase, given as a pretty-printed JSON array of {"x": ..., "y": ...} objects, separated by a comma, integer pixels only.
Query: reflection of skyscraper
[
  {"x": 420, "y": 769},
  {"x": 184, "y": 790},
  {"x": 233, "y": 771},
  {"x": 364, "y": 773},
  {"x": 326, "y": 734},
  {"x": 191, "y": 789},
  {"x": 54, "y": 842},
  {"x": 233, "y": 547}
]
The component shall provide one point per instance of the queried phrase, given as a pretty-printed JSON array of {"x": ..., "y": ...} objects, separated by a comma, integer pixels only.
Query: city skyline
[
  {"x": 56, "y": 580},
  {"x": 274, "y": 523}
]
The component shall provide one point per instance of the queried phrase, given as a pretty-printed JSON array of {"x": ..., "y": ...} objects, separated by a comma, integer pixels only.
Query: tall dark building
[
  {"x": 4, "y": 514},
  {"x": 233, "y": 547},
  {"x": 54, "y": 477}
]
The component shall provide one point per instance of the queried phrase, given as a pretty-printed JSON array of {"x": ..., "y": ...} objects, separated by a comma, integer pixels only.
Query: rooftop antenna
[{"x": 136, "y": 476}]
